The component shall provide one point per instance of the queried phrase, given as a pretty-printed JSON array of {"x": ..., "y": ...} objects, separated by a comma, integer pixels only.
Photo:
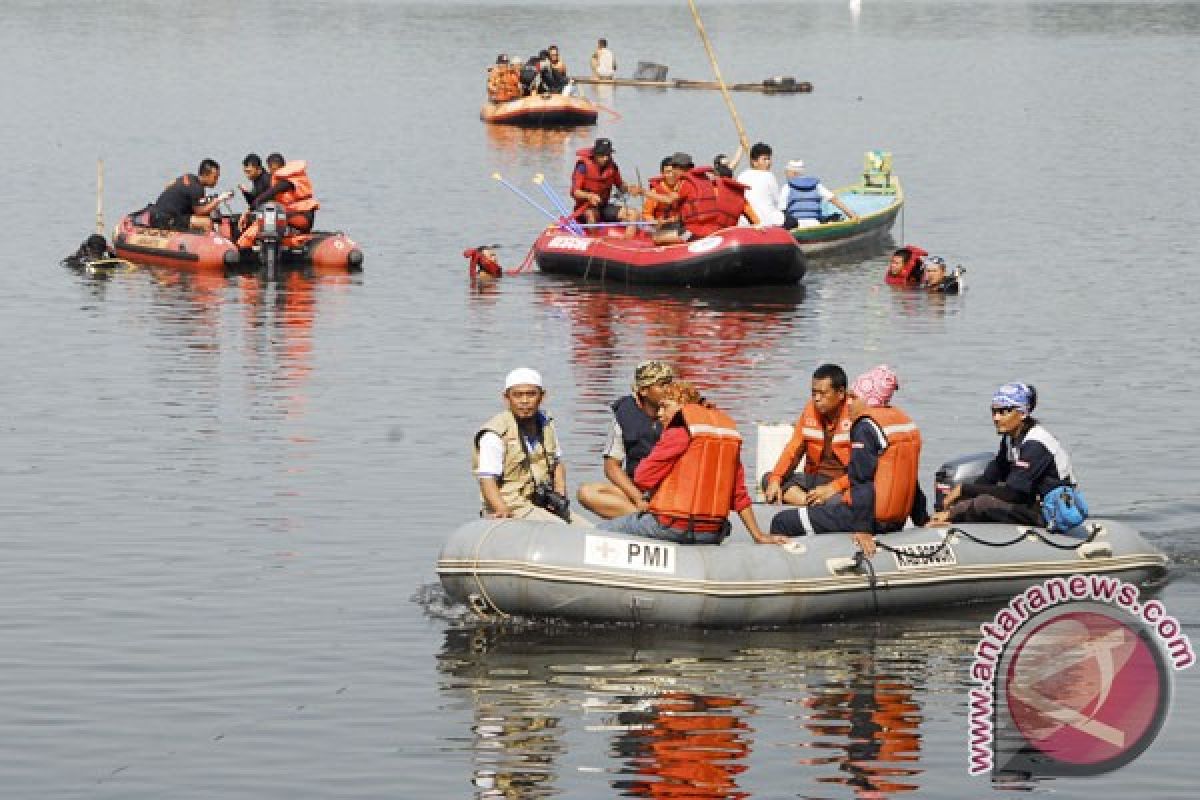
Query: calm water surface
[{"x": 221, "y": 502}]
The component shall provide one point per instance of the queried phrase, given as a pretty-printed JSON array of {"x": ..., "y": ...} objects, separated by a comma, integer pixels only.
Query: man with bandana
[
  {"x": 885, "y": 456},
  {"x": 634, "y": 432},
  {"x": 1029, "y": 464}
]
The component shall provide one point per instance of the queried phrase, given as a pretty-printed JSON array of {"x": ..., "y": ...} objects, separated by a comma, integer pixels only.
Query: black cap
[
  {"x": 602, "y": 147},
  {"x": 682, "y": 160}
]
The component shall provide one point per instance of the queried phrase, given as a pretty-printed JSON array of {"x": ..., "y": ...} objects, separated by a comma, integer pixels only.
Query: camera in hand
[{"x": 557, "y": 504}]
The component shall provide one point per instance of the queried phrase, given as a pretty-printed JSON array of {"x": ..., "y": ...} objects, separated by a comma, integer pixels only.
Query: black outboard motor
[
  {"x": 270, "y": 238},
  {"x": 956, "y": 471}
]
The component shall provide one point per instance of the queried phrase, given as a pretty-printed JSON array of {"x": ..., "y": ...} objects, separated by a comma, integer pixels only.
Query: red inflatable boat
[{"x": 741, "y": 256}]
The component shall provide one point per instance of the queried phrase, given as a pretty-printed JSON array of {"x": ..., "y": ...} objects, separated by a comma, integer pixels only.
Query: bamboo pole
[
  {"x": 737, "y": 121},
  {"x": 100, "y": 196}
]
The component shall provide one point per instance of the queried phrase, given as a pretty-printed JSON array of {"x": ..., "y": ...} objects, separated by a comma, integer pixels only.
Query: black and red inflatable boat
[{"x": 740, "y": 256}]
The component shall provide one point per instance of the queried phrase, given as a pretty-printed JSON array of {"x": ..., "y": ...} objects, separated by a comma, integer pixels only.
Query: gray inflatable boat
[{"x": 540, "y": 569}]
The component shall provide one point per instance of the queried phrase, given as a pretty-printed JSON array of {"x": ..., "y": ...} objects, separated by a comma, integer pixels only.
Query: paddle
[
  {"x": 100, "y": 196},
  {"x": 496, "y": 176},
  {"x": 737, "y": 122},
  {"x": 568, "y": 220}
]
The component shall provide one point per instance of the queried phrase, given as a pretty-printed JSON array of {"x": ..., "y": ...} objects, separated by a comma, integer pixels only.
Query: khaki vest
[{"x": 516, "y": 484}]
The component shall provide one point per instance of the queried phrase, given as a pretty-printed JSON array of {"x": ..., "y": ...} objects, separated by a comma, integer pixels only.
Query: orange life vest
[
  {"x": 595, "y": 179},
  {"x": 714, "y": 202},
  {"x": 300, "y": 196},
  {"x": 657, "y": 210},
  {"x": 699, "y": 488},
  {"x": 896, "y": 473},
  {"x": 504, "y": 83},
  {"x": 813, "y": 430}
]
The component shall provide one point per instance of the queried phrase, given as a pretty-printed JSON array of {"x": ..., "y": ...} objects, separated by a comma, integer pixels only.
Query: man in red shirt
[{"x": 695, "y": 473}]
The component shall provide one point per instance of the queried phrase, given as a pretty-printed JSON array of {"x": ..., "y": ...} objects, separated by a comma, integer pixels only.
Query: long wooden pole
[
  {"x": 737, "y": 121},
  {"x": 100, "y": 196}
]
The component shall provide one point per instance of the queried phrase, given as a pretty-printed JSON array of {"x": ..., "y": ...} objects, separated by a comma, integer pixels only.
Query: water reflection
[
  {"x": 678, "y": 713},
  {"x": 716, "y": 339},
  {"x": 512, "y": 139}
]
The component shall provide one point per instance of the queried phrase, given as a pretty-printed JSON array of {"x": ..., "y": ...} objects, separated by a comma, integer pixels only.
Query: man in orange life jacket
[
  {"x": 821, "y": 438},
  {"x": 182, "y": 206},
  {"x": 695, "y": 473},
  {"x": 708, "y": 202},
  {"x": 661, "y": 202},
  {"x": 291, "y": 188},
  {"x": 592, "y": 182},
  {"x": 885, "y": 455}
]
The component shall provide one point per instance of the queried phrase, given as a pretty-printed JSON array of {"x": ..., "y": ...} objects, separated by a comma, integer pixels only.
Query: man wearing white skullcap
[{"x": 517, "y": 458}]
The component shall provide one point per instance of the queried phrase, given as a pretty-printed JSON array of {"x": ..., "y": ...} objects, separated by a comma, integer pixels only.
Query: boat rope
[
  {"x": 488, "y": 607},
  {"x": 1022, "y": 536},
  {"x": 525, "y": 262},
  {"x": 616, "y": 116}
]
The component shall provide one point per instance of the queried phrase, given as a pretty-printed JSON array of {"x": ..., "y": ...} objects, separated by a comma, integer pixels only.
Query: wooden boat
[
  {"x": 546, "y": 569},
  {"x": 542, "y": 111},
  {"x": 768, "y": 86},
  {"x": 877, "y": 200},
  {"x": 741, "y": 256}
]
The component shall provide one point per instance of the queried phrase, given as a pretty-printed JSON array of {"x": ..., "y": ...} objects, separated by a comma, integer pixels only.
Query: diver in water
[
  {"x": 94, "y": 248},
  {"x": 937, "y": 279}
]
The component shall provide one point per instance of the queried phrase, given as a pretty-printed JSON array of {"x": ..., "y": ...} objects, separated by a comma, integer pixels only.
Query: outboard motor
[
  {"x": 956, "y": 471},
  {"x": 270, "y": 238}
]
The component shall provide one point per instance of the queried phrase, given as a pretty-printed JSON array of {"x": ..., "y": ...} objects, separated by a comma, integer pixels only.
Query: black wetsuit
[
  {"x": 258, "y": 186},
  {"x": 173, "y": 208}
]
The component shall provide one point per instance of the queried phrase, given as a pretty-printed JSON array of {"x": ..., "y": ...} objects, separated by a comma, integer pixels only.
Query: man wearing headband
[
  {"x": 517, "y": 457},
  {"x": 1029, "y": 464},
  {"x": 882, "y": 474},
  {"x": 634, "y": 432}
]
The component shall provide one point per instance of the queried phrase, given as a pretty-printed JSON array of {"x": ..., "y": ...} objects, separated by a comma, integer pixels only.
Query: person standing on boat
[
  {"x": 634, "y": 432},
  {"x": 592, "y": 182},
  {"x": 801, "y": 198},
  {"x": 517, "y": 458},
  {"x": 882, "y": 473},
  {"x": 764, "y": 192},
  {"x": 694, "y": 474},
  {"x": 604, "y": 63},
  {"x": 182, "y": 206},
  {"x": 821, "y": 437},
  {"x": 1029, "y": 464}
]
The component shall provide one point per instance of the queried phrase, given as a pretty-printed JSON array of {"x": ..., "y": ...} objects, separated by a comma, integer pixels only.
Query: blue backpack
[{"x": 1064, "y": 508}]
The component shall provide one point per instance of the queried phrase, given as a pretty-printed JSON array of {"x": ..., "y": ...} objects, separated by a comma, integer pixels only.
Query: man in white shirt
[
  {"x": 764, "y": 192},
  {"x": 604, "y": 63}
]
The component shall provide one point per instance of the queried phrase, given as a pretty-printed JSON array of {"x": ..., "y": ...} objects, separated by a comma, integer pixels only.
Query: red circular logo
[{"x": 1086, "y": 689}]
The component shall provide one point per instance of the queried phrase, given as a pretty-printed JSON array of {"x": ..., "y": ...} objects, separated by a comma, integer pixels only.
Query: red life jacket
[
  {"x": 713, "y": 203},
  {"x": 698, "y": 492},
  {"x": 595, "y": 179},
  {"x": 478, "y": 262},
  {"x": 910, "y": 273},
  {"x": 300, "y": 197},
  {"x": 896, "y": 472}
]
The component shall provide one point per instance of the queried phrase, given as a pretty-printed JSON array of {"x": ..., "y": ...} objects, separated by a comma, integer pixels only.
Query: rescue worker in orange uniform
[
  {"x": 661, "y": 202},
  {"x": 592, "y": 182},
  {"x": 695, "y": 474},
  {"x": 708, "y": 202},
  {"x": 885, "y": 456},
  {"x": 821, "y": 438},
  {"x": 504, "y": 81},
  {"x": 292, "y": 189}
]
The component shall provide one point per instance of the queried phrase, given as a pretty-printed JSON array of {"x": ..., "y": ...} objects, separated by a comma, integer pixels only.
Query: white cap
[
  {"x": 523, "y": 376},
  {"x": 795, "y": 164}
]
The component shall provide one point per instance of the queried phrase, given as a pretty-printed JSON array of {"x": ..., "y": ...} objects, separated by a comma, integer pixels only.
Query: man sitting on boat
[
  {"x": 764, "y": 192},
  {"x": 708, "y": 202},
  {"x": 592, "y": 182},
  {"x": 661, "y": 202},
  {"x": 517, "y": 458},
  {"x": 801, "y": 199},
  {"x": 821, "y": 437},
  {"x": 882, "y": 474},
  {"x": 695, "y": 475},
  {"x": 182, "y": 204},
  {"x": 291, "y": 188},
  {"x": 1029, "y": 464},
  {"x": 504, "y": 81},
  {"x": 634, "y": 432},
  {"x": 259, "y": 179}
]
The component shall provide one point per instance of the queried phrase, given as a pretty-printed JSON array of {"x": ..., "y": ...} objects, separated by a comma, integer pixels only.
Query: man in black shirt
[
  {"x": 181, "y": 206},
  {"x": 259, "y": 179}
]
